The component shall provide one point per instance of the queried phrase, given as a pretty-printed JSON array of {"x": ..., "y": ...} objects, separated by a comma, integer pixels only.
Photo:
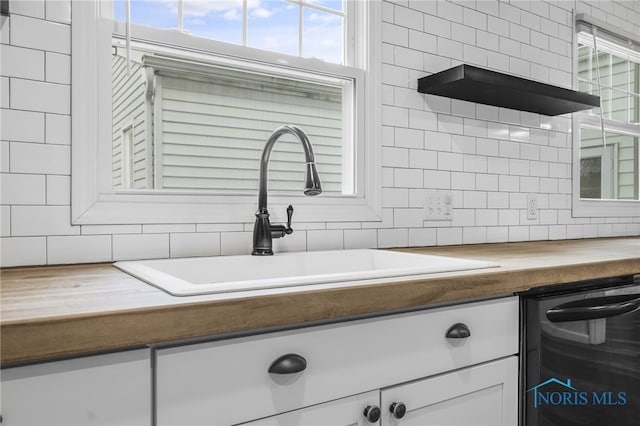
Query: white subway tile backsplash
[
  {"x": 518, "y": 233},
  {"x": 508, "y": 217},
  {"x": 474, "y": 235},
  {"x": 20, "y": 189},
  {"x": 509, "y": 149},
  {"x": 4, "y": 92},
  {"x": 408, "y": 18},
  {"x": 486, "y": 217},
  {"x": 140, "y": 246},
  {"x": 58, "y": 68},
  {"x": 58, "y": 11},
  {"x": 485, "y": 182},
  {"x": 394, "y": 116},
  {"x": 40, "y": 158},
  {"x": 395, "y": 157},
  {"x": 498, "y": 165},
  {"x": 168, "y": 228},
  {"x": 39, "y": 96},
  {"x": 449, "y": 236},
  {"x": 41, "y": 221},
  {"x": 450, "y": 161},
  {"x": 395, "y": 197},
  {"x": 21, "y": 63},
  {"x": 419, "y": 237},
  {"x": 476, "y": 128},
  {"x": 408, "y": 178},
  {"x": 360, "y": 238},
  {"x": 78, "y": 249},
  {"x": 463, "y": 144},
  {"x": 23, "y": 126},
  {"x": 422, "y": 41},
  {"x": 34, "y": 8},
  {"x": 408, "y": 218},
  {"x": 463, "y": 181},
  {"x": 519, "y": 167},
  {"x": 451, "y": 48},
  {"x": 450, "y": 11},
  {"x": 325, "y": 240},
  {"x": 463, "y": 108},
  {"x": 475, "y": 200},
  {"x": 395, "y": 34},
  {"x": 437, "y": 179},
  {"x": 488, "y": 147},
  {"x": 422, "y": 159},
  {"x": 488, "y": 158},
  {"x": 423, "y": 120},
  {"x": 388, "y": 238},
  {"x": 194, "y": 244},
  {"x": 437, "y": 26},
  {"x": 40, "y": 34},
  {"x": 23, "y": 251},
  {"x": 409, "y": 138},
  {"x": 5, "y": 221},
  {"x": 110, "y": 229},
  {"x": 450, "y": 124},
  {"x": 463, "y": 33},
  {"x": 497, "y": 234},
  {"x": 58, "y": 129}
]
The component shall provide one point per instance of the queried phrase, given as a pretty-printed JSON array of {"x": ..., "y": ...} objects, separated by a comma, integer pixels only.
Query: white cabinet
[
  {"x": 200, "y": 384},
  {"x": 342, "y": 412},
  {"x": 112, "y": 389},
  {"x": 483, "y": 395}
]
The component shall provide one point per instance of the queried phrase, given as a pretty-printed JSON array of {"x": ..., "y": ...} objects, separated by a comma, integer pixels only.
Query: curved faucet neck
[{"x": 266, "y": 154}]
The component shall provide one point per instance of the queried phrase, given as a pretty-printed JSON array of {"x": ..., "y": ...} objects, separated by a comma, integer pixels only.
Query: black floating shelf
[{"x": 474, "y": 84}]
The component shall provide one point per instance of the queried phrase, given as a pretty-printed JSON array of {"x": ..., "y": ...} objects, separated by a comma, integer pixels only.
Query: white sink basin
[{"x": 223, "y": 274}]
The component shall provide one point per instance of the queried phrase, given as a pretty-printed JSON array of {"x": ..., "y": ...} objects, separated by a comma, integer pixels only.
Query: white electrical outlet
[
  {"x": 532, "y": 206},
  {"x": 438, "y": 205}
]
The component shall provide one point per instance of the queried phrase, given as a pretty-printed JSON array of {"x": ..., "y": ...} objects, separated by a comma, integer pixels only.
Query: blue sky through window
[{"x": 272, "y": 24}]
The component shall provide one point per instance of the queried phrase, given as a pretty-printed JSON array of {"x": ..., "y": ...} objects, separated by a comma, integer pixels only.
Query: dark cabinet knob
[
  {"x": 398, "y": 410},
  {"x": 372, "y": 413},
  {"x": 288, "y": 364},
  {"x": 458, "y": 331}
]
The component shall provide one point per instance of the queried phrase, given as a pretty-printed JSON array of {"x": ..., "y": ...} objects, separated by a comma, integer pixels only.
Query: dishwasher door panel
[{"x": 587, "y": 371}]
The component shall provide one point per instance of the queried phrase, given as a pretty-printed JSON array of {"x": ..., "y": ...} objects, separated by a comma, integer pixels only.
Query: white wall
[{"x": 489, "y": 158}]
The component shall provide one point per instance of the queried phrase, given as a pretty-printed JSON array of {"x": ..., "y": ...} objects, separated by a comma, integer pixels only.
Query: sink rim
[{"x": 179, "y": 287}]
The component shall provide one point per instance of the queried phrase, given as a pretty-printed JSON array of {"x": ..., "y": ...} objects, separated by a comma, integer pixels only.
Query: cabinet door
[
  {"x": 113, "y": 389},
  {"x": 341, "y": 412},
  {"x": 484, "y": 395}
]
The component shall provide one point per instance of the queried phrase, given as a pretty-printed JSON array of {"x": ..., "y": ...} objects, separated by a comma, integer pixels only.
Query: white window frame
[
  {"x": 95, "y": 201},
  {"x": 591, "y": 207}
]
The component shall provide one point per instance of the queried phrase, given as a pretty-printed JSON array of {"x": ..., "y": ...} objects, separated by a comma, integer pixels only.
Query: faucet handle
[{"x": 288, "y": 229}]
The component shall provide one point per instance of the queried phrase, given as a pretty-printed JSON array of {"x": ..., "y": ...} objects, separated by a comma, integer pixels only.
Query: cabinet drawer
[{"x": 227, "y": 381}]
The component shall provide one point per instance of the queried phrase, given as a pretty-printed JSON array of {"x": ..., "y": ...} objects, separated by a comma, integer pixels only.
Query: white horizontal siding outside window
[
  {"x": 606, "y": 166},
  {"x": 205, "y": 108}
]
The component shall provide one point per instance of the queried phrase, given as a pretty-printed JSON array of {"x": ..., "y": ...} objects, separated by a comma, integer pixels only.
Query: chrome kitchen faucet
[{"x": 263, "y": 231}]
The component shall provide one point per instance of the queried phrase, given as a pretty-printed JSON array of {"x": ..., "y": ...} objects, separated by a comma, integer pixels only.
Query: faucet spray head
[{"x": 312, "y": 185}]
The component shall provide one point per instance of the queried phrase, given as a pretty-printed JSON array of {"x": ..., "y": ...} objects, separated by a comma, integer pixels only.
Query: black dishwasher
[{"x": 581, "y": 354}]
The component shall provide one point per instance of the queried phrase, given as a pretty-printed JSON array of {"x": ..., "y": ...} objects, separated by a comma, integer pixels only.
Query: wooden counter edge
[{"x": 50, "y": 338}]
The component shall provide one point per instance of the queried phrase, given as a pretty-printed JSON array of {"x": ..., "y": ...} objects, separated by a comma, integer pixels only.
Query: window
[
  {"x": 607, "y": 176},
  {"x": 197, "y": 91}
]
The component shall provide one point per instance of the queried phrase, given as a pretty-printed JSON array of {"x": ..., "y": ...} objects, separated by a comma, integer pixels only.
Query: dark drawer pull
[
  {"x": 458, "y": 331},
  {"x": 288, "y": 364}
]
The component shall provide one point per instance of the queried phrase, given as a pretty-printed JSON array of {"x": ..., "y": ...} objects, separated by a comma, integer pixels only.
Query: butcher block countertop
[{"x": 59, "y": 311}]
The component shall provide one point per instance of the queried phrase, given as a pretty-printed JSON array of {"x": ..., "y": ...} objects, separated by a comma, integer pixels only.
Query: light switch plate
[
  {"x": 438, "y": 205},
  {"x": 532, "y": 206}
]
